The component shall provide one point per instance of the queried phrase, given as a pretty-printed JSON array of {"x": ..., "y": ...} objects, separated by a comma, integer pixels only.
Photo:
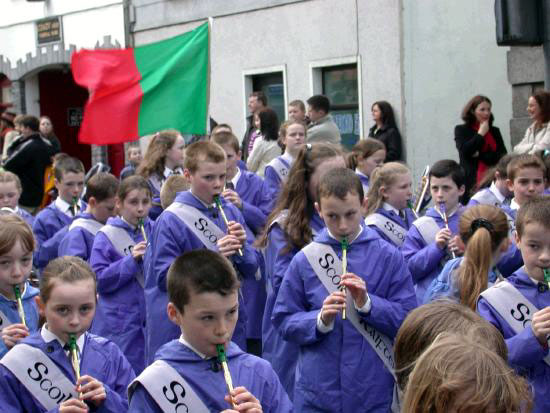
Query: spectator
[
  {"x": 322, "y": 127},
  {"x": 11, "y": 136},
  {"x": 537, "y": 136},
  {"x": 297, "y": 111},
  {"x": 46, "y": 129},
  {"x": 385, "y": 130},
  {"x": 133, "y": 159},
  {"x": 256, "y": 102},
  {"x": 29, "y": 159},
  {"x": 266, "y": 147},
  {"x": 479, "y": 143},
  {"x": 6, "y": 125}
]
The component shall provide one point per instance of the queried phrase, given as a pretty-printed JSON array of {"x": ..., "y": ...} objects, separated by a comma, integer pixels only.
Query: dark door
[{"x": 63, "y": 101}]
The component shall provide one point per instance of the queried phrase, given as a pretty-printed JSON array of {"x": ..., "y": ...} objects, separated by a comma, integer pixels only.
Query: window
[
  {"x": 340, "y": 85},
  {"x": 273, "y": 87}
]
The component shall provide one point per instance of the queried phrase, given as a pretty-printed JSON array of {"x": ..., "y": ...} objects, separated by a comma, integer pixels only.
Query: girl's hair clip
[
  {"x": 308, "y": 147},
  {"x": 545, "y": 153},
  {"x": 481, "y": 223}
]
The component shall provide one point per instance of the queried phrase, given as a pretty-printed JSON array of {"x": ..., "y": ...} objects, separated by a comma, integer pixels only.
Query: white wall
[
  {"x": 450, "y": 55},
  {"x": 84, "y": 22},
  {"x": 32, "y": 95},
  {"x": 296, "y": 35}
]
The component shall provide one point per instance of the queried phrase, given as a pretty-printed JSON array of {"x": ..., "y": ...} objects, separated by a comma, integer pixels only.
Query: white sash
[
  {"x": 4, "y": 321},
  {"x": 428, "y": 228},
  {"x": 486, "y": 197},
  {"x": 395, "y": 232},
  {"x": 203, "y": 228},
  {"x": 123, "y": 243},
  {"x": 280, "y": 168},
  {"x": 328, "y": 267},
  {"x": 512, "y": 306},
  {"x": 90, "y": 225},
  {"x": 40, "y": 375},
  {"x": 169, "y": 390}
]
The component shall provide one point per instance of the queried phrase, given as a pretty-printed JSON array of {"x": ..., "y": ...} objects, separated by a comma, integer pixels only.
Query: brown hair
[
  {"x": 170, "y": 188},
  {"x": 501, "y": 167},
  {"x": 102, "y": 186},
  {"x": 294, "y": 195},
  {"x": 481, "y": 241},
  {"x": 423, "y": 324},
  {"x": 298, "y": 104},
  {"x": 7, "y": 176},
  {"x": 155, "y": 156},
  {"x": 363, "y": 149},
  {"x": 226, "y": 138},
  {"x": 468, "y": 113},
  {"x": 204, "y": 151},
  {"x": 200, "y": 271},
  {"x": 339, "y": 182},
  {"x": 220, "y": 126},
  {"x": 462, "y": 376},
  {"x": 260, "y": 97},
  {"x": 536, "y": 210},
  {"x": 66, "y": 269},
  {"x": 543, "y": 99},
  {"x": 66, "y": 164},
  {"x": 524, "y": 161},
  {"x": 14, "y": 228},
  {"x": 383, "y": 176},
  {"x": 129, "y": 184}
]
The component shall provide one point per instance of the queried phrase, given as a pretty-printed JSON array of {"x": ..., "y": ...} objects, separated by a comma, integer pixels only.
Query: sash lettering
[
  {"x": 169, "y": 389},
  {"x": 40, "y": 375},
  {"x": 203, "y": 228},
  {"x": 512, "y": 306},
  {"x": 395, "y": 232},
  {"x": 328, "y": 267},
  {"x": 280, "y": 168}
]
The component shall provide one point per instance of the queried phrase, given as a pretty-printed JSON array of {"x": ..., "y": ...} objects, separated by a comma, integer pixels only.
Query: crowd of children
[{"x": 192, "y": 284}]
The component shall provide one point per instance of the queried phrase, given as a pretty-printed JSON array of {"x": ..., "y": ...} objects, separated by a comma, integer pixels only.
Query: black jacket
[
  {"x": 391, "y": 138},
  {"x": 29, "y": 158},
  {"x": 468, "y": 143}
]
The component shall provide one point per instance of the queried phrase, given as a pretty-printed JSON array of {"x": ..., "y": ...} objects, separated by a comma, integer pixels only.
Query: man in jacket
[
  {"x": 256, "y": 102},
  {"x": 322, "y": 127}
]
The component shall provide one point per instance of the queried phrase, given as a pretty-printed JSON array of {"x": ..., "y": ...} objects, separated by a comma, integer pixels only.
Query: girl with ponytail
[{"x": 484, "y": 230}]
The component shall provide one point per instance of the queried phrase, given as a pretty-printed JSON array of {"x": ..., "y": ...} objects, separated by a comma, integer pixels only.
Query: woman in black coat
[
  {"x": 385, "y": 130},
  {"x": 479, "y": 143}
]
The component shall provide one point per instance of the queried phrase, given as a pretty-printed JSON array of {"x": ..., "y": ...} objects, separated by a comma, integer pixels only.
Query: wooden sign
[{"x": 48, "y": 30}]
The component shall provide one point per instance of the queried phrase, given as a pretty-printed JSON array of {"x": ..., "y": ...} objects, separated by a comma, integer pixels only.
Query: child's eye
[
  {"x": 207, "y": 318},
  {"x": 26, "y": 260},
  {"x": 63, "y": 310}
]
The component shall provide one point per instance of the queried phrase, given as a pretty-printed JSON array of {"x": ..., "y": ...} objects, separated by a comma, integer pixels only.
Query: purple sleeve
[
  {"x": 49, "y": 249},
  {"x": 422, "y": 259},
  {"x": 387, "y": 313},
  {"x": 74, "y": 243},
  {"x": 248, "y": 263},
  {"x": 282, "y": 261},
  {"x": 142, "y": 402},
  {"x": 272, "y": 182},
  {"x": 113, "y": 271},
  {"x": 290, "y": 315}
]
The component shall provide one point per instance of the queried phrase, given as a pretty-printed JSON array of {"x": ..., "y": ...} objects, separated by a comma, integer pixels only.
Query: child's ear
[
  {"x": 187, "y": 174},
  {"x": 382, "y": 192},
  {"x": 92, "y": 202},
  {"x": 317, "y": 207},
  {"x": 461, "y": 190},
  {"x": 364, "y": 206},
  {"x": 510, "y": 185},
  {"x": 240, "y": 154},
  {"x": 173, "y": 313},
  {"x": 40, "y": 305},
  {"x": 56, "y": 183}
]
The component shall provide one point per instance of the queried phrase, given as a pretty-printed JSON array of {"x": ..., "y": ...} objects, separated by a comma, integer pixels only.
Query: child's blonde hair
[
  {"x": 462, "y": 376},
  {"x": 7, "y": 176},
  {"x": 170, "y": 188},
  {"x": 482, "y": 228},
  {"x": 423, "y": 324},
  {"x": 383, "y": 176},
  {"x": 13, "y": 228},
  {"x": 205, "y": 151},
  {"x": 524, "y": 161},
  {"x": 66, "y": 269}
]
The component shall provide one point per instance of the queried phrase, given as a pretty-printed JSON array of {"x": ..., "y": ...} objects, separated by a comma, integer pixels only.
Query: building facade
[{"x": 38, "y": 38}]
